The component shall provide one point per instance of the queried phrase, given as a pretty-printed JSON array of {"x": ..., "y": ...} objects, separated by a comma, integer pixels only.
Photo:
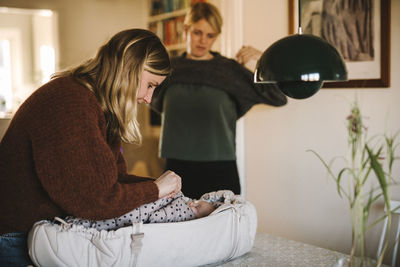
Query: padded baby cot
[{"x": 225, "y": 234}]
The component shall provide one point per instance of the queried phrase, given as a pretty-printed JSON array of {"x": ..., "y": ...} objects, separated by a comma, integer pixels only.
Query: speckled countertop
[{"x": 272, "y": 251}]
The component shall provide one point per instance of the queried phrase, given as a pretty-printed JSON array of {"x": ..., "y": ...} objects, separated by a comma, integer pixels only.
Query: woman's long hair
[{"x": 114, "y": 77}]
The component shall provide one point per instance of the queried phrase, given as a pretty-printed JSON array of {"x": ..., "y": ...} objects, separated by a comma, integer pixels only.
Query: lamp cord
[{"x": 300, "y": 31}]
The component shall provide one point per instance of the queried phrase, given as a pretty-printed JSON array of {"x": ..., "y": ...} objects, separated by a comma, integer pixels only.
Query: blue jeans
[{"x": 14, "y": 250}]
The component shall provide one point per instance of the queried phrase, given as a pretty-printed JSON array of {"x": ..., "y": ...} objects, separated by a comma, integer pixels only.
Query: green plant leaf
[
  {"x": 378, "y": 170},
  {"x": 338, "y": 187},
  {"x": 328, "y": 168},
  {"x": 366, "y": 175}
]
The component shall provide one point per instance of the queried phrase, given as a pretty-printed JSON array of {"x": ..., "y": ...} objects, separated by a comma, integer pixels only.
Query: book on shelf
[
  {"x": 170, "y": 31},
  {"x": 166, "y": 6},
  {"x": 179, "y": 28}
]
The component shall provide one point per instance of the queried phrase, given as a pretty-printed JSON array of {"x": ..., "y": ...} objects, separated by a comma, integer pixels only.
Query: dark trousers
[
  {"x": 200, "y": 177},
  {"x": 14, "y": 250}
]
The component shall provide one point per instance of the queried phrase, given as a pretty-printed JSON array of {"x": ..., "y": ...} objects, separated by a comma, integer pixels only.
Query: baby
[{"x": 168, "y": 209}]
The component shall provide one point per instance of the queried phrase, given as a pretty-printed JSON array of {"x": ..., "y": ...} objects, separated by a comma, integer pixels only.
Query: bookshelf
[{"x": 166, "y": 20}]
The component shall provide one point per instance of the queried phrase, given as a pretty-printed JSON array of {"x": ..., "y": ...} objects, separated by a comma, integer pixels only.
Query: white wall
[
  {"x": 85, "y": 25},
  {"x": 23, "y": 23},
  {"x": 288, "y": 185}
]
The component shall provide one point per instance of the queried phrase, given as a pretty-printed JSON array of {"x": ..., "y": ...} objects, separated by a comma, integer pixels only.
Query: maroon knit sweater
[{"x": 55, "y": 161}]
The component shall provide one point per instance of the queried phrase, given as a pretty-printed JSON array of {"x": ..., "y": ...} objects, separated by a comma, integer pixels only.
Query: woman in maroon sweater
[{"x": 61, "y": 153}]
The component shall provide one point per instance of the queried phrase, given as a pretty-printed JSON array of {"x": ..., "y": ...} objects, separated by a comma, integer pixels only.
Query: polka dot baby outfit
[{"x": 175, "y": 209}]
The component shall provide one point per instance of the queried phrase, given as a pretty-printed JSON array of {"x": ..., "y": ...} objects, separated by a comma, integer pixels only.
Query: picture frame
[{"x": 373, "y": 72}]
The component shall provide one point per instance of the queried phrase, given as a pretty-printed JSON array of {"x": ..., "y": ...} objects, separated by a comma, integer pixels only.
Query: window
[
  {"x": 28, "y": 57},
  {"x": 5, "y": 77}
]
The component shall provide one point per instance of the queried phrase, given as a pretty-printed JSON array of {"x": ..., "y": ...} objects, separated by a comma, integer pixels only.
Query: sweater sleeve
[
  {"x": 74, "y": 163},
  {"x": 268, "y": 93},
  {"x": 224, "y": 74},
  {"x": 124, "y": 177},
  {"x": 175, "y": 210}
]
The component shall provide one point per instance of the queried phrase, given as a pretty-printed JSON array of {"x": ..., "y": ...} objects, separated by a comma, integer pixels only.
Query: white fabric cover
[{"x": 225, "y": 234}]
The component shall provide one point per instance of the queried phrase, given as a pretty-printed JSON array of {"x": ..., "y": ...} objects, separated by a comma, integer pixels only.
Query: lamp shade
[{"x": 299, "y": 64}]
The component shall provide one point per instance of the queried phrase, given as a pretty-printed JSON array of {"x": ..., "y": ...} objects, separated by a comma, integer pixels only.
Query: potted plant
[{"x": 368, "y": 168}]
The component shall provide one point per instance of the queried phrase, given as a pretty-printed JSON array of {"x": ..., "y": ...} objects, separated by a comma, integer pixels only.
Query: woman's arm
[
  {"x": 268, "y": 93},
  {"x": 247, "y": 53},
  {"x": 73, "y": 161}
]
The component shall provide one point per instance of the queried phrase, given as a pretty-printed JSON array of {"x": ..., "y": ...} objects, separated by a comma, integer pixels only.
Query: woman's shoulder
[
  {"x": 232, "y": 66},
  {"x": 178, "y": 58},
  {"x": 66, "y": 82},
  {"x": 64, "y": 93},
  {"x": 220, "y": 58},
  {"x": 67, "y": 88},
  {"x": 59, "y": 100}
]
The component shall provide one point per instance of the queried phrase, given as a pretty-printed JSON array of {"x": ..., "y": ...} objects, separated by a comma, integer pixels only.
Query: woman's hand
[
  {"x": 247, "y": 53},
  {"x": 169, "y": 183}
]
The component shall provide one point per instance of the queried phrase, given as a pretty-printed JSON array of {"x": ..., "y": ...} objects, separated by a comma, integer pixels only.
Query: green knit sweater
[
  {"x": 55, "y": 160},
  {"x": 199, "y": 124},
  {"x": 200, "y": 104}
]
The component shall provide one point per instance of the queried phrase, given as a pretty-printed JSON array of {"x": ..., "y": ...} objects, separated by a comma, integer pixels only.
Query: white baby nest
[{"x": 225, "y": 234}]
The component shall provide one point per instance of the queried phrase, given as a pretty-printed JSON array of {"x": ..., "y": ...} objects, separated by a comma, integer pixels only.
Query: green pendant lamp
[{"x": 299, "y": 64}]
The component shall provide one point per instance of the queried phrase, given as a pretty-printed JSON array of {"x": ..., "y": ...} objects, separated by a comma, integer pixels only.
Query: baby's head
[{"x": 201, "y": 208}]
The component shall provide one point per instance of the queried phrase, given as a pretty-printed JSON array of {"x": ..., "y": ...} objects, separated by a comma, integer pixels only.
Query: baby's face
[{"x": 201, "y": 208}]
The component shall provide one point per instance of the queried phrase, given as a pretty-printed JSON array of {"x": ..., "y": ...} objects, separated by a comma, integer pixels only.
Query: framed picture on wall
[{"x": 359, "y": 30}]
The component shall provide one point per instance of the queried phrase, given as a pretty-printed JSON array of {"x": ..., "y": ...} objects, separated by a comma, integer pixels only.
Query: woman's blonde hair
[
  {"x": 114, "y": 77},
  {"x": 207, "y": 11}
]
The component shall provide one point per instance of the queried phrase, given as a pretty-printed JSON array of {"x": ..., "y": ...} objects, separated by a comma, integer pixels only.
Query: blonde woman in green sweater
[{"x": 205, "y": 96}]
